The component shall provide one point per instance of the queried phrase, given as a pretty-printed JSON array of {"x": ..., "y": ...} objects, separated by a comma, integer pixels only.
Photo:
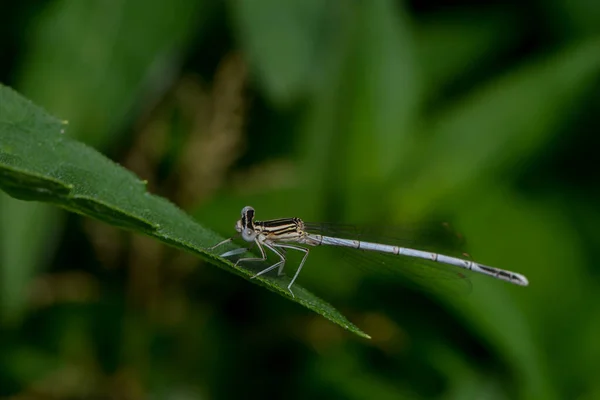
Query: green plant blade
[
  {"x": 100, "y": 36},
  {"x": 38, "y": 162}
]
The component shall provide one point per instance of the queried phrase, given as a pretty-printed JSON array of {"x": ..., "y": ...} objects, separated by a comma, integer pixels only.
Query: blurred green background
[{"x": 483, "y": 115}]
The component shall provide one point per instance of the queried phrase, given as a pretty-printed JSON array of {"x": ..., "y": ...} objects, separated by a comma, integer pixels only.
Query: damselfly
[{"x": 279, "y": 235}]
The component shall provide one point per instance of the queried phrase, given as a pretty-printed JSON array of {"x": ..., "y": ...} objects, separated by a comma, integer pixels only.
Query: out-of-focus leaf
[
  {"x": 364, "y": 113},
  {"x": 385, "y": 91},
  {"x": 498, "y": 126},
  {"x": 284, "y": 40},
  {"x": 531, "y": 239},
  {"x": 454, "y": 45},
  {"x": 576, "y": 17},
  {"x": 38, "y": 162},
  {"x": 24, "y": 364},
  {"x": 465, "y": 379},
  {"x": 20, "y": 229},
  {"x": 91, "y": 60},
  {"x": 334, "y": 372}
]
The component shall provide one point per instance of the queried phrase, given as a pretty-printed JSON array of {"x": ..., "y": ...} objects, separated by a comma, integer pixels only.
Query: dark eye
[{"x": 248, "y": 232}]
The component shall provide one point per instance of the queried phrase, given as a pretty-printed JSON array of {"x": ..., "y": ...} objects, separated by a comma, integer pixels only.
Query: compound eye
[{"x": 249, "y": 232}]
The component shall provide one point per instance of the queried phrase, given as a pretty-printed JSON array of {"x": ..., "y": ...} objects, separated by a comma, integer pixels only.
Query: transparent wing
[
  {"x": 438, "y": 237},
  {"x": 417, "y": 273}
]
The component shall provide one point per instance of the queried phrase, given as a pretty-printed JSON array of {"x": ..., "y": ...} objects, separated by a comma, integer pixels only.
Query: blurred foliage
[{"x": 478, "y": 114}]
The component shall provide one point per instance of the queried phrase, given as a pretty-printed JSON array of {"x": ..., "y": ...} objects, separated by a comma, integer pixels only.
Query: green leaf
[
  {"x": 89, "y": 61},
  {"x": 365, "y": 108},
  {"x": 385, "y": 83},
  {"x": 284, "y": 40},
  {"x": 92, "y": 60},
  {"x": 544, "y": 242},
  {"x": 452, "y": 45},
  {"x": 39, "y": 162},
  {"x": 29, "y": 235},
  {"x": 498, "y": 126},
  {"x": 575, "y": 17}
]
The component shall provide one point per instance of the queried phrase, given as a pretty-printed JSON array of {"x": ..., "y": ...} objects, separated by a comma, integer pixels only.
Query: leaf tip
[
  {"x": 358, "y": 332},
  {"x": 364, "y": 335}
]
